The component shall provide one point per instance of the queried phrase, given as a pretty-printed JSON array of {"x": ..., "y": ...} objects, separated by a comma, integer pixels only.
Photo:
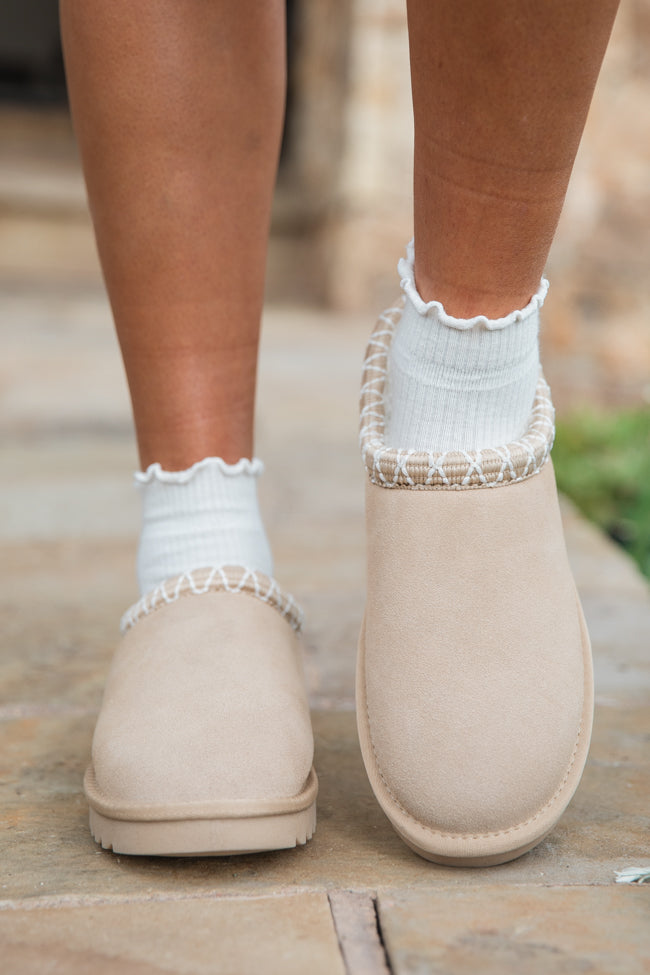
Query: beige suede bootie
[
  {"x": 203, "y": 744},
  {"x": 474, "y": 679}
]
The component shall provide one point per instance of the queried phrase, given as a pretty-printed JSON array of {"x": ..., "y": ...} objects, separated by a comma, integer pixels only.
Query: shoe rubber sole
[{"x": 195, "y": 835}]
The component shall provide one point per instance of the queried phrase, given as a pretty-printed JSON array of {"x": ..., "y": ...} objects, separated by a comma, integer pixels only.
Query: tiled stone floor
[{"x": 68, "y": 520}]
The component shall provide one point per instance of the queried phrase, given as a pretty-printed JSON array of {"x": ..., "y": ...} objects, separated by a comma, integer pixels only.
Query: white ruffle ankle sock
[
  {"x": 460, "y": 383},
  {"x": 202, "y": 517}
]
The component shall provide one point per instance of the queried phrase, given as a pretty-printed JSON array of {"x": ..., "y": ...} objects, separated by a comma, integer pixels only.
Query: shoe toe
[
  {"x": 204, "y": 702},
  {"x": 474, "y": 681}
]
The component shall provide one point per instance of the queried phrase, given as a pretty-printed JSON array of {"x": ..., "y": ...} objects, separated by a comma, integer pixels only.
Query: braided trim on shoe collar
[
  {"x": 224, "y": 578},
  {"x": 456, "y": 469}
]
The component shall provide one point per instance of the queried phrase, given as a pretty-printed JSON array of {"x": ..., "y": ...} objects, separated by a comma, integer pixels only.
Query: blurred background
[{"x": 342, "y": 216}]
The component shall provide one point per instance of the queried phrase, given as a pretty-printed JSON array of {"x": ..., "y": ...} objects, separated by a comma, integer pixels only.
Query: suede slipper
[
  {"x": 474, "y": 677},
  {"x": 204, "y": 745}
]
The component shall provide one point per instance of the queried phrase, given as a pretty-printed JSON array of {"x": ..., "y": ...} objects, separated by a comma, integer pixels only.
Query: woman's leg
[
  {"x": 500, "y": 94},
  {"x": 476, "y": 692},
  {"x": 178, "y": 107},
  {"x": 178, "y": 110},
  {"x": 501, "y": 90}
]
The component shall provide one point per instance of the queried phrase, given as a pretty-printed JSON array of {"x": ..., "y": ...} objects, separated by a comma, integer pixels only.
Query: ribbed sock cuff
[
  {"x": 205, "y": 516},
  {"x": 460, "y": 384}
]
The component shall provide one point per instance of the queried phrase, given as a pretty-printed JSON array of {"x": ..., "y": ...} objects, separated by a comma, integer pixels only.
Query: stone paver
[
  {"x": 564, "y": 930},
  {"x": 287, "y": 935}
]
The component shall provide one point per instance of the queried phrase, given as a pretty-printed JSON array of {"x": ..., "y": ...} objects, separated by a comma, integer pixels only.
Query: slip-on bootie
[
  {"x": 474, "y": 677},
  {"x": 203, "y": 744}
]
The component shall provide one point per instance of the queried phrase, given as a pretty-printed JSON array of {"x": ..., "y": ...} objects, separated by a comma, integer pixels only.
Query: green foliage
[{"x": 602, "y": 462}]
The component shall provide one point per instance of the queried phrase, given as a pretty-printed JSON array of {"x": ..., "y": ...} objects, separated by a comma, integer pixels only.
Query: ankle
[
  {"x": 461, "y": 302},
  {"x": 457, "y": 304}
]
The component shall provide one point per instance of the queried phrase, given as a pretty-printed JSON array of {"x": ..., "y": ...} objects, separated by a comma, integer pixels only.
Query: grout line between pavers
[
  {"x": 49, "y": 901},
  {"x": 356, "y": 922}
]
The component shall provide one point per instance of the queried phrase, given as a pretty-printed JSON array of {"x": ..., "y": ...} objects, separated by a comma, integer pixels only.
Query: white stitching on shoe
[
  {"x": 457, "y": 469},
  {"x": 226, "y": 578}
]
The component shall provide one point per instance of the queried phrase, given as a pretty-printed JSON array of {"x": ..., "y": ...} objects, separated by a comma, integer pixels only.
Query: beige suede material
[
  {"x": 474, "y": 684},
  {"x": 205, "y": 708}
]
